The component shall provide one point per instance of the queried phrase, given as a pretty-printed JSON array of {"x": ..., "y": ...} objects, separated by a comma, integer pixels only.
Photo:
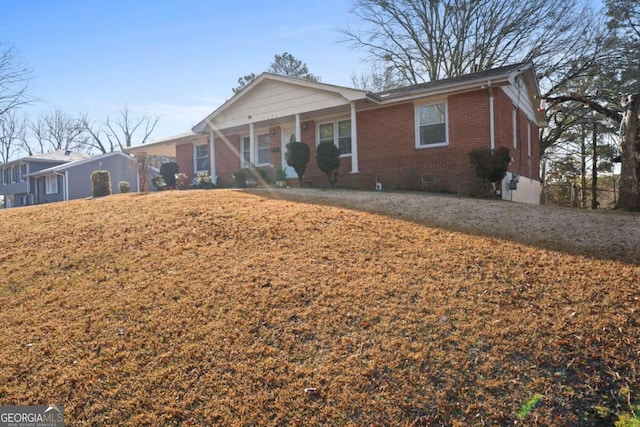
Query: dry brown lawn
[{"x": 230, "y": 308}]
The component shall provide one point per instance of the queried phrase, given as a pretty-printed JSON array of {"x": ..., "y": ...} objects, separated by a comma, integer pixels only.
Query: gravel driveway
[{"x": 603, "y": 234}]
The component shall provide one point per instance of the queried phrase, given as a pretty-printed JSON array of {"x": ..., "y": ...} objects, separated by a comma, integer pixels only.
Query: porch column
[
  {"x": 252, "y": 160},
  {"x": 298, "y": 135},
  {"x": 212, "y": 158},
  {"x": 354, "y": 139}
]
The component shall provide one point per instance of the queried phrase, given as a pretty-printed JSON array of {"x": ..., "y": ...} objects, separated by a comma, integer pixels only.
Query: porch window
[
  {"x": 202, "y": 158},
  {"x": 23, "y": 172},
  {"x": 262, "y": 151},
  {"x": 431, "y": 125},
  {"x": 51, "y": 184},
  {"x": 338, "y": 132}
]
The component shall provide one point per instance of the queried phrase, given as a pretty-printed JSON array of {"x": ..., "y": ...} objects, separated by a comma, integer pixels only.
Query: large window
[
  {"x": 338, "y": 132},
  {"x": 431, "y": 125},
  {"x": 202, "y": 158},
  {"x": 262, "y": 151},
  {"x": 51, "y": 184}
]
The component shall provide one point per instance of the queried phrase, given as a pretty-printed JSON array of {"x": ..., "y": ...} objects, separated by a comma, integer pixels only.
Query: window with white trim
[
  {"x": 51, "y": 184},
  {"x": 338, "y": 132},
  {"x": 7, "y": 176},
  {"x": 431, "y": 125},
  {"x": 201, "y": 156},
  {"x": 14, "y": 173},
  {"x": 262, "y": 151},
  {"x": 22, "y": 174}
]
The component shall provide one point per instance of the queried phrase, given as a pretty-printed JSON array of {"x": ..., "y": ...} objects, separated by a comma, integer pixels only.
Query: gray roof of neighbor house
[
  {"x": 82, "y": 161},
  {"x": 61, "y": 156}
]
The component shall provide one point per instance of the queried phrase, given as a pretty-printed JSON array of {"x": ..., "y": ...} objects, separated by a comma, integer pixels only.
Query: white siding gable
[{"x": 274, "y": 99}]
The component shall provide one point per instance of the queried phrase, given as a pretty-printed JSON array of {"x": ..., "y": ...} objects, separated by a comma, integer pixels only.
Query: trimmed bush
[
  {"x": 328, "y": 160},
  {"x": 490, "y": 165},
  {"x": 101, "y": 183},
  {"x": 239, "y": 179},
  {"x": 297, "y": 156},
  {"x": 124, "y": 186},
  {"x": 168, "y": 172},
  {"x": 203, "y": 181}
]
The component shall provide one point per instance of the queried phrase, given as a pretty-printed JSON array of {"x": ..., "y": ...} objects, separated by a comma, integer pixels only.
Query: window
[
  {"x": 262, "y": 151},
  {"x": 246, "y": 151},
  {"x": 14, "y": 173},
  {"x": 51, "y": 184},
  {"x": 202, "y": 158},
  {"x": 23, "y": 172},
  {"x": 431, "y": 125},
  {"x": 338, "y": 132},
  {"x": 7, "y": 175}
]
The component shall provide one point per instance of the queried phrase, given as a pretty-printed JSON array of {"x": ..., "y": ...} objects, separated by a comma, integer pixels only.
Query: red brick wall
[
  {"x": 387, "y": 148},
  {"x": 184, "y": 158},
  {"x": 522, "y": 164},
  {"x": 227, "y": 157}
]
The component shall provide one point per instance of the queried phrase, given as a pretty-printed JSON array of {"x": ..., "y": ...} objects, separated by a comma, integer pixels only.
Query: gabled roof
[
  {"x": 165, "y": 146},
  {"x": 455, "y": 82},
  {"x": 345, "y": 93},
  {"x": 61, "y": 156},
  {"x": 69, "y": 165}
]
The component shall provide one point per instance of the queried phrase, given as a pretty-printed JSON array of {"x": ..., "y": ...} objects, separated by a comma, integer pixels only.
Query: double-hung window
[
  {"x": 14, "y": 173},
  {"x": 262, "y": 151},
  {"x": 431, "y": 125},
  {"x": 51, "y": 184},
  {"x": 22, "y": 174},
  {"x": 7, "y": 176},
  {"x": 338, "y": 132},
  {"x": 202, "y": 158}
]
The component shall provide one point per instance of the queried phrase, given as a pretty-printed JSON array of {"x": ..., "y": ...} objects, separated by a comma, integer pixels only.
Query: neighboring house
[
  {"x": 73, "y": 180},
  {"x": 16, "y": 185},
  {"x": 412, "y": 137}
]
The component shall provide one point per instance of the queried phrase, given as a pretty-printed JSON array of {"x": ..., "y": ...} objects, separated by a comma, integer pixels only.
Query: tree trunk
[
  {"x": 583, "y": 171},
  {"x": 629, "y": 199},
  {"x": 594, "y": 168}
]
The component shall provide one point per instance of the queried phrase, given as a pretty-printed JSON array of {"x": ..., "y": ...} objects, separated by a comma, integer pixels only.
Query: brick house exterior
[{"x": 416, "y": 137}]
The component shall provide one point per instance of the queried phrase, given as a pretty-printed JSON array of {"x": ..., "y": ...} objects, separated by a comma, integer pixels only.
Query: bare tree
[
  {"x": 425, "y": 40},
  {"x": 14, "y": 81},
  {"x": 12, "y": 134},
  {"x": 96, "y": 138},
  {"x": 55, "y": 131},
  {"x": 122, "y": 130}
]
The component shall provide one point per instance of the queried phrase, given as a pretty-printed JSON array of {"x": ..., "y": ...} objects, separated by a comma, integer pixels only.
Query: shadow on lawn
[{"x": 582, "y": 246}]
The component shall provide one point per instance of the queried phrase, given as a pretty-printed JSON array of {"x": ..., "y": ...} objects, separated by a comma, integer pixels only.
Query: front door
[{"x": 288, "y": 135}]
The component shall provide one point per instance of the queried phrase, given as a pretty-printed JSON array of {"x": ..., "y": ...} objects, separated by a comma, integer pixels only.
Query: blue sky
[{"x": 173, "y": 59}]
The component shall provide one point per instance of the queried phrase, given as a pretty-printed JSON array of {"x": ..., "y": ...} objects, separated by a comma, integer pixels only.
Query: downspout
[{"x": 492, "y": 131}]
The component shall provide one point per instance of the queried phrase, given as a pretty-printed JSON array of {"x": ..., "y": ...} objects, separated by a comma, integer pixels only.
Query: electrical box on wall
[{"x": 513, "y": 182}]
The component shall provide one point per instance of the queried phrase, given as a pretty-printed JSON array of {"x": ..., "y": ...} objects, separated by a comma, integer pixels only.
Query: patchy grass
[{"x": 205, "y": 307}]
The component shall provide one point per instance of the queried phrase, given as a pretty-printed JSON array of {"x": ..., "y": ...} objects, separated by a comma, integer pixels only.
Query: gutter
[{"x": 492, "y": 132}]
